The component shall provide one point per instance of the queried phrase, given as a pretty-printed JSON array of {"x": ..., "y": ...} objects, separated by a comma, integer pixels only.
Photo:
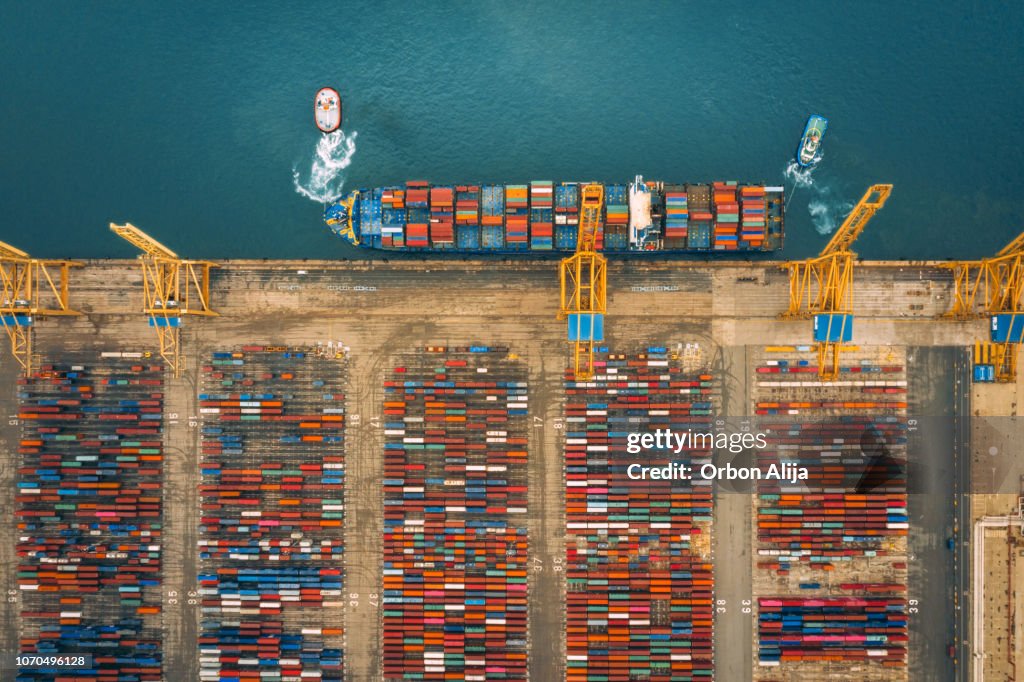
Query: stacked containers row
[
  {"x": 567, "y": 215},
  {"x": 517, "y": 214},
  {"x": 677, "y": 217},
  {"x": 752, "y": 206},
  {"x": 272, "y": 495},
  {"x": 492, "y": 218},
  {"x": 698, "y": 201},
  {"x": 775, "y": 213},
  {"x": 442, "y": 217},
  {"x": 639, "y": 581},
  {"x": 727, "y": 216},
  {"x": 541, "y": 215},
  {"x": 455, "y": 492},
  {"x": 417, "y": 221},
  {"x": 616, "y": 225},
  {"x": 467, "y": 217},
  {"x": 839, "y": 629},
  {"x": 393, "y": 217},
  {"x": 90, "y": 516}
]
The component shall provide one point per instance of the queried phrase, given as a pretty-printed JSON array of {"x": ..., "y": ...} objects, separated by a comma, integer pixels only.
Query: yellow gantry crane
[
  {"x": 32, "y": 288},
  {"x": 172, "y": 287},
  {"x": 583, "y": 281},
  {"x": 822, "y": 287},
  {"x": 993, "y": 287}
]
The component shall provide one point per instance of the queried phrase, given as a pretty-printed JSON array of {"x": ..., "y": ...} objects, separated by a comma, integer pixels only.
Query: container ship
[{"x": 543, "y": 216}]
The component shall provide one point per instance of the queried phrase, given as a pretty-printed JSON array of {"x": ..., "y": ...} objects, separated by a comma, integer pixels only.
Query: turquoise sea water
[{"x": 190, "y": 122}]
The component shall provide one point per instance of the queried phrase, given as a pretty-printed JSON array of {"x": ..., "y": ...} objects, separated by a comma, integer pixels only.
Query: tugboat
[
  {"x": 327, "y": 110},
  {"x": 810, "y": 143}
]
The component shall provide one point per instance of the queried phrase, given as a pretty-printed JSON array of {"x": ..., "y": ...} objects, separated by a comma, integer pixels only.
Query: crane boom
[
  {"x": 873, "y": 200},
  {"x": 31, "y": 287},
  {"x": 989, "y": 285},
  {"x": 591, "y": 203},
  {"x": 583, "y": 284},
  {"x": 171, "y": 287},
  {"x": 143, "y": 241},
  {"x": 995, "y": 287},
  {"x": 8, "y": 252},
  {"x": 1015, "y": 247},
  {"x": 822, "y": 286}
]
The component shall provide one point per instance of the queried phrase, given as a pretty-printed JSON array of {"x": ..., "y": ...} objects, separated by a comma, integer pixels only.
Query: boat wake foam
[
  {"x": 800, "y": 176},
  {"x": 826, "y": 211},
  {"x": 326, "y": 176},
  {"x": 827, "y": 214}
]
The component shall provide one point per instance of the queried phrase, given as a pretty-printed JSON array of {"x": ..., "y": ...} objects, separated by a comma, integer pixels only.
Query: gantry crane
[
  {"x": 172, "y": 287},
  {"x": 822, "y": 287},
  {"x": 32, "y": 288},
  {"x": 583, "y": 278},
  {"x": 993, "y": 287}
]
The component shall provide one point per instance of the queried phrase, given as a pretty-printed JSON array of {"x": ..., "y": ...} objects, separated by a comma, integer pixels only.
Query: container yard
[
  {"x": 90, "y": 514},
  {"x": 456, "y": 551},
  {"x": 639, "y": 585},
  {"x": 272, "y": 495},
  {"x": 330, "y": 465},
  {"x": 831, "y": 564}
]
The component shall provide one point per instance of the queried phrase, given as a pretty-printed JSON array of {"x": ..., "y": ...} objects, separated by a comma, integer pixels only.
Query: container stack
[
  {"x": 541, "y": 215},
  {"x": 752, "y": 206},
  {"x": 417, "y": 219},
  {"x": 567, "y": 215},
  {"x": 393, "y": 217},
  {"x": 856, "y": 504},
  {"x": 677, "y": 217},
  {"x": 90, "y": 516},
  {"x": 442, "y": 217},
  {"x": 639, "y": 581},
  {"x": 824, "y": 529},
  {"x": 616, "y": 227},
  {"x": 727, "y": 216},
  {"x": 848, "y": 629},
  {"x": 517, "y": 214},
  {"x": 836, "y": 523},
  {"x": 774, "y": 217},
  {"x": 842, "y": 531},
  {"x": 455, "y": 530},
  {"x": 272, "y": 496},
  {"x": 467, "y": 217},
  {"x": 698, "y": 201},
  {"x": 492, "y": 218}
]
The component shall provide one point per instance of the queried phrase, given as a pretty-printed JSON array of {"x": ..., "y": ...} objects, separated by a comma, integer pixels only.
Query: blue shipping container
[
  {"x": 1008, "y": 327},
  {"x": 833, "y": 327},
  {"x": 586, "y": 327}
]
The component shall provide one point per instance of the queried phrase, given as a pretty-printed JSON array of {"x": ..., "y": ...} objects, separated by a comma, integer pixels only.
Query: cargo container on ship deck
[{"x": 542, "y": 217}]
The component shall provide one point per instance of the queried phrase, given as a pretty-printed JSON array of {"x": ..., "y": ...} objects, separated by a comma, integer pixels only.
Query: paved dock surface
[{"x": 379, "y": 310}]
